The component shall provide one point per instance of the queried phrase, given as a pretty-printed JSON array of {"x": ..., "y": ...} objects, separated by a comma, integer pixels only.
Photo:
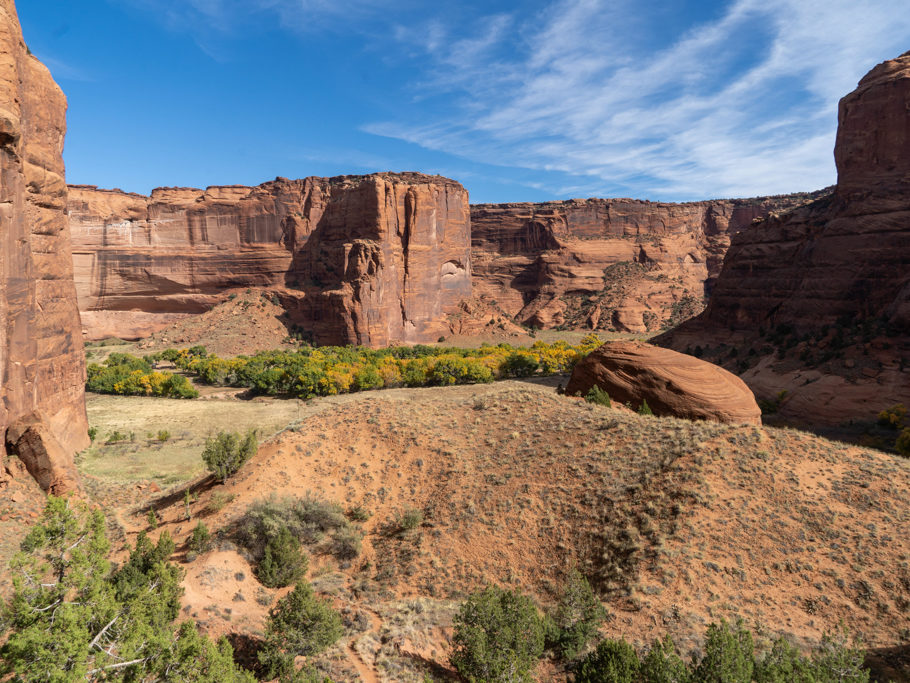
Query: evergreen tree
[
  {"x": 227, "y": 452},
  {"x": 499, "y": 636},
  {"x": 283, "y": 562},
  {"x": 577, "y": 617},
  {"x": 728, "y": 656},
  {"x": 300, "y": 624},
  {"x": 613, "y": 661},
  {"x": 662, "y": 664},
  {"x": 72, "y": 618}
]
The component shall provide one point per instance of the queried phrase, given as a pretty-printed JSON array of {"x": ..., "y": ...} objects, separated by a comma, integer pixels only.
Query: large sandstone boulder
[
  {"x": 355, "y": 259},
  {"x": 42, "y": 366},
  {"x": 672, "y": 383},
  {"x": 823, "y": 292}
]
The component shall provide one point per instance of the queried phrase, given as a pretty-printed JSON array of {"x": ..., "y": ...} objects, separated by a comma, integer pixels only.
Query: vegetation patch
[
  {"x": 275, "y": 526},
  {"x": 330, "y": 370},
  {"x": 128, "y": 375}
]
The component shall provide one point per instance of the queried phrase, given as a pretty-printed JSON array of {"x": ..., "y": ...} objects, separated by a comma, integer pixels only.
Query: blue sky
[{"x": 669, "y": 100}]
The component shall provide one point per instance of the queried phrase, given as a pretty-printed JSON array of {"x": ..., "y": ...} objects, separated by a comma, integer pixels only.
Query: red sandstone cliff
[
  {"x": 354, "y": 259},
  {"x": 817, "y": 302},
  {"x": 621, "y": 264},
  {"x": 42, "y": 410},
  {"x": 615, "y": 264}
]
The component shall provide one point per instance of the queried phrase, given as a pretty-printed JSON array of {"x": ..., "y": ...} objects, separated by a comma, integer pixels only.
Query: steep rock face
[
  {"x": 354, "y": 259},
  {"x": 619, "y": 264},
  {"x": 822, "y": 294},
  {"x": 41, "y": 358},
  {"x": 672, "y": 383}
]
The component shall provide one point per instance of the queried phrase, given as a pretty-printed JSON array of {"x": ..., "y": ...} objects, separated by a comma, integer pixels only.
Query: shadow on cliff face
[{"x": 332, "y": 270}]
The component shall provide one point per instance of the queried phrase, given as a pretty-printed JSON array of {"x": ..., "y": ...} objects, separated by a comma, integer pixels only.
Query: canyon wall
[
  {"x": 353, "y": 259},
  {"x": 616, "y": 264},
  {"x": 42, "y": 407},
  {"x": 816, "y": 302},
  {"x": 324, "y": 246}
]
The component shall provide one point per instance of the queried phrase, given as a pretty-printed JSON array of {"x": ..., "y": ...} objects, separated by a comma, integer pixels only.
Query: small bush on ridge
[
  {"x": 201, "y": 539},
  {"x": 226, "y": 453},
  {"x": 598, "y": 396}
]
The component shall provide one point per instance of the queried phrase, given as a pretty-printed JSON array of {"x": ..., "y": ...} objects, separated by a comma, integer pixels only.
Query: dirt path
[{"x": 364, "y": 670}]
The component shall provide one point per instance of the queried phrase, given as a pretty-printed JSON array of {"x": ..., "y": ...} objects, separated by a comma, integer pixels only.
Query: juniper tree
[{"x": 72, "y": 618}]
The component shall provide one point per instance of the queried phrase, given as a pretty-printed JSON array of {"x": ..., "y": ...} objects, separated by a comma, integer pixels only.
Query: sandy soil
[{"x": 677, "y": 523}]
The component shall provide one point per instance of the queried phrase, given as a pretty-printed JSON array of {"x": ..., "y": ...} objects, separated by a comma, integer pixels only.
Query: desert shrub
[
  {"x": 163, "y": 435},
  {"x": 644, "y": 408},
  {"x": 318, "y": 517},
  {"x": 226, "y": 453},
  {"x": 902, "y": 445},
  {"x": 299, "y": 625},
  {"x": 346, "y": 543},
  {"x": 598, "y": 396},
  {"x": 92, "y": 433},
  {"x": 728, "y": 655},
  {"x": 407, "y": 520},
  {"x": 283, "y": 562},
  {"x": 217, "y": 501},
  {"x": 116, "y": 436},
  {"x": 612, "y": 661},
  {"x": 358, "y": 513},
  {"x": 201, "y": 539},
  {"x": 308, "y": 519},
  {"x": 499, "y": 636},
  {"x": 893, "y": 417},
  {"x": 577, "y": 616}
]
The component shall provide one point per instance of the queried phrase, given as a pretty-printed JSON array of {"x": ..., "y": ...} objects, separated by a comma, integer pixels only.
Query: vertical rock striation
[
  {"x": 354, "y": 259},
  {"x": 42, "y": 408}
]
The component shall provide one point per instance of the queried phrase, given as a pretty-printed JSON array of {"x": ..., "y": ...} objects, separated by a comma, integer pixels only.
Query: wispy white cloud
[
  {"x": 740, "y": 105},
  {"x": 66, "y": 71},
  {"x": 229, "y": 15}
]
